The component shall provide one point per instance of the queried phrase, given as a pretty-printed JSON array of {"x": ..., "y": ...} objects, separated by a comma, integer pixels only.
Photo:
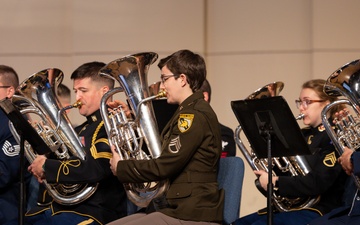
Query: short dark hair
[
  {"x": 205, "y": 87},
  {"x": 91, "y": 70},
  {"x": 188, "y": 63},
  {"x": 63, "y": 91},
  {"x": 8, "y": 76}
]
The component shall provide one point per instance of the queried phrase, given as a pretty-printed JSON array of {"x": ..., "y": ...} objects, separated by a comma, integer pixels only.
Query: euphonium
[
  {"x": 37, "y": 101},
  {"x": 345, "y": 82},
  {"x": 292, "y": 166},
  {"x": 126, "y": 134}
]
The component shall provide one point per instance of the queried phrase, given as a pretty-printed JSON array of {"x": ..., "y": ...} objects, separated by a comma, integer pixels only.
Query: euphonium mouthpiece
[
  {"x": 300, "y": 116},
  {"x": 161, "y": 94},
  {"x": 77, "y": 104}
]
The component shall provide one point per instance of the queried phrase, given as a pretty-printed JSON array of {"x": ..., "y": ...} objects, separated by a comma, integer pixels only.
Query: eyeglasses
[
  {"x": 5, "y": 86},
  {"x": 165, "y": 77},
  {"x": 306, "y": 102}
]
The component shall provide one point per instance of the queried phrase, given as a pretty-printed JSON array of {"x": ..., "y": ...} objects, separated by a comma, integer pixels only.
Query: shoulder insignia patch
[
  {"x": 10, "y": 150},
  {"x": 174, "y": 145},
  {"x": 330, "y": 160},
  {"x": 321, "y": 128},
  {"x": 185, "y": 121}
]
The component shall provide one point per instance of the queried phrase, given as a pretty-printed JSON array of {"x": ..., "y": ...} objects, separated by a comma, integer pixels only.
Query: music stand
[
  {"x": 272, "y": 131},
  {"x": 26, "y": 133}
]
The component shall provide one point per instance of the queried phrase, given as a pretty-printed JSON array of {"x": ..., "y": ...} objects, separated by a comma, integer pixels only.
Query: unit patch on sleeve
[{"x": 185, "y": 121}]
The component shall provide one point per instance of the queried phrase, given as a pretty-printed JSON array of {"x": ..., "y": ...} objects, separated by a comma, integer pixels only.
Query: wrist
[{"x": 352, "y": 158}]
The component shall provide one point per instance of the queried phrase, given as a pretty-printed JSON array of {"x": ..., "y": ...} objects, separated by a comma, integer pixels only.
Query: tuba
[
  {"x": 293, "y": 165},
  {"x": 36, "y": 100},
  {"x": 344, "y": 82},
  {"x": 128, "y": 135}
]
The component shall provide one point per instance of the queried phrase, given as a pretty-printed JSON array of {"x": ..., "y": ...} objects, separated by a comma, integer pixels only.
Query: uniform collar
[
  {"x": 191, "y": 99},
  {"x": 95, "y": 117}
]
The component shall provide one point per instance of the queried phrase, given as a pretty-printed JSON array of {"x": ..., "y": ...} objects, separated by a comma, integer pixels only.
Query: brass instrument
[
  {"x": 126, "y": 134},
  {"x": 344, "y": 82},
  {"x": 293, "y": 165},
  {"x": 37, "y": 101}
]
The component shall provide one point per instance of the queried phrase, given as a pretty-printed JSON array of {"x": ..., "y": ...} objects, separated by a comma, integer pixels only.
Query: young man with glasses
[{"x": 191, "y": 148}]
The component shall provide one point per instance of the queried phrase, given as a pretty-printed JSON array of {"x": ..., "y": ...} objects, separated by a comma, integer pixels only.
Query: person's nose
[{"x": 162, "y": 86}]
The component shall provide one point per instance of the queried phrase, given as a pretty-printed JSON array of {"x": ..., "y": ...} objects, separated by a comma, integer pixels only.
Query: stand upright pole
[
  {"x": 22, "y": 201},
  {"x": 270, "y": 185}
]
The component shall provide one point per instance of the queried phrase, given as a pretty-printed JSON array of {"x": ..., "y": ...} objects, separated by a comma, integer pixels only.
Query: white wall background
[{"x": 247, "y": 44}]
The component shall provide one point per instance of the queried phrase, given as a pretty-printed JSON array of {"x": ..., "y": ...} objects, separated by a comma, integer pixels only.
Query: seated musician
[
  {"x": 108, "y": 202},
  {"x": 191, "y": 152},
  {"x": 349, "y": 213},
  {"x": 325, "y": 179}
]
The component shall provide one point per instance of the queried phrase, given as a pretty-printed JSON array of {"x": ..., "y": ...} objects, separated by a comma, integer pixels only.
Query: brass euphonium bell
[
  {"x": 293, "y": 165},
  {"x": 36, "y": 100},
  {"x": 128, "y": 134},
  {"x": 344, "y": 82}
]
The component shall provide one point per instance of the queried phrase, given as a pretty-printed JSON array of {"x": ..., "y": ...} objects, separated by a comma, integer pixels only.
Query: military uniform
[
  {"x": 349, "y": 213},
  {"x": 326, "y": 179},
  {"x": 191, "y": 148},
  {"x": 109, "y": 201},
  {"x": 9, "y": 172}
]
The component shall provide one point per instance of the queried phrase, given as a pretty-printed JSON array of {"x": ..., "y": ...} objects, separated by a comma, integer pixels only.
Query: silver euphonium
[
  {"x": 36, "y": 100},
  {"x": 288, "y": 166},
  {"x": 128, "y": 135},
  {"x": 344, "y": 82}
]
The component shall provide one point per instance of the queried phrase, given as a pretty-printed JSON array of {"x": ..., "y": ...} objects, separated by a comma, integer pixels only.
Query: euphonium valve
[
  {"x": 36, "y": 99},
  {"x": 128, "y": 134},
  {"x": 345, "y": 82},
  {"x": 293, "y": 166}
]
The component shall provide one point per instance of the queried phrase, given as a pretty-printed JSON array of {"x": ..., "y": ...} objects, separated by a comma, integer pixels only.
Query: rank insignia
[
  {"x": 185, "y": 121},
  {"x": 10, "y": 150},
  {"x": 174, "y": 145},
  {"x": 330, "y": 160}
]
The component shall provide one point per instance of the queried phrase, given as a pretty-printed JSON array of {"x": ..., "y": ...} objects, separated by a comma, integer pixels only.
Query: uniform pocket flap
[{"x": 179, "y": 191}]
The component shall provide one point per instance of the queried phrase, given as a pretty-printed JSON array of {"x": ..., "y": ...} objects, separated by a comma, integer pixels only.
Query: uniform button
[
  {"x": 177, "y": 194},
  {"x": 358, "y": 198}
]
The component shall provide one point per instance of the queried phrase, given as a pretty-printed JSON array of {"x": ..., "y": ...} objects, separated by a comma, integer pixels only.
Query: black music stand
[
  {"x": 26, "y": 133},
  {"x": 272, "y": 131}
]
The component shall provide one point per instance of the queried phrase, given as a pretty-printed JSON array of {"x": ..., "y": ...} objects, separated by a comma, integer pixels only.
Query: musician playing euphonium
[
  {"x": 349, "y": 213},
  {"x": 326, "y": 178},
  {"x": 109, "y": 200},
  {"x": 191, "y": 149}
]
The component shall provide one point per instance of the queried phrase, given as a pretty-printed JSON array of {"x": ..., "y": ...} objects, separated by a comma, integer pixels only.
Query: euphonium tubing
[{"x": 295, "y": 165}]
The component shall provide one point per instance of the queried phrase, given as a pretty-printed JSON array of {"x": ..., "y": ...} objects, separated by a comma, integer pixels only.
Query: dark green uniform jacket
[
  {"x": 108, "y": 203},
  {"x": 191, "y": 149}
]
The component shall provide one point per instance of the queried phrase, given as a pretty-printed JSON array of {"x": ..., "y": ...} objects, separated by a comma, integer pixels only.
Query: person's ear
[
  {"x": 10, "y": 92},
  {"x": 206, "y": 96},
  {"x": 105, "y": 89},
  {"x": 183, "y": 78}
]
